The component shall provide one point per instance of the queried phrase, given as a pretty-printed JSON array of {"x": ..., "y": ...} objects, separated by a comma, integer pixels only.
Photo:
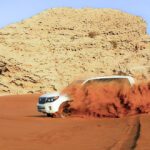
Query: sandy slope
[
  {"x": 49, "y": 50},
  {"x": 22, "y": 128}
]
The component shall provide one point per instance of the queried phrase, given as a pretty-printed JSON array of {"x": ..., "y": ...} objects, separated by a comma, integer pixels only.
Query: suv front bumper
[
  {"x": 44, "y": 109},
  {"x": 41, "y": 108}
]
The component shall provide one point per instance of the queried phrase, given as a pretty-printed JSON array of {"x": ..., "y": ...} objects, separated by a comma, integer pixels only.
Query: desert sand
[{"x": 22, "y": 128}]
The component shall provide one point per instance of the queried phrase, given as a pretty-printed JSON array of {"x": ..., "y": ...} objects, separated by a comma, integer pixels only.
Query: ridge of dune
[{"x": 47, "y": 51}]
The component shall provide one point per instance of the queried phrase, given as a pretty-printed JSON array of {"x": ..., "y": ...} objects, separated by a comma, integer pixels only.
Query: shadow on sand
[{"x": 37, "y": 116}]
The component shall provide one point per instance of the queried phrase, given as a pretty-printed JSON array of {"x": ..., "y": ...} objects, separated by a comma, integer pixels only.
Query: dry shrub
[
  {"x": 92, "y": 34},
  {"x": 114, "y": 44}
]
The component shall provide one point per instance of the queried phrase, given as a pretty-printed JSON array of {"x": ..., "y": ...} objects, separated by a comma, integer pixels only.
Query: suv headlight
[
  {"x": 55, "y": 98},
  {"x": 51, "y": 99}
]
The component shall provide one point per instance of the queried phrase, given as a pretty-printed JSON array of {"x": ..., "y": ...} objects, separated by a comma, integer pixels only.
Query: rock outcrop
[{"x": 49, "y": 50}]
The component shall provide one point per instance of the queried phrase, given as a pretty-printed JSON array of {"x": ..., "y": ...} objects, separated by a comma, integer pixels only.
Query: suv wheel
[
  {"x": 64, "y": 110},
  {"x": 49, "y": 115}
]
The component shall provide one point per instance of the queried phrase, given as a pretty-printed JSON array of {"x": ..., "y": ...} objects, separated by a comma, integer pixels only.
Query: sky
[{"x": 12, "y": 11}]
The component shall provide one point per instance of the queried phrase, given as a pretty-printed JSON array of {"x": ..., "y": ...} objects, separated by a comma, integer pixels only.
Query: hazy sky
[{"x": 15, "y": 10}]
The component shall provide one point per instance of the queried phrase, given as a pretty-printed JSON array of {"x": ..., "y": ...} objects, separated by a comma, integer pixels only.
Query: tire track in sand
[{"x": 130, "y": 136}]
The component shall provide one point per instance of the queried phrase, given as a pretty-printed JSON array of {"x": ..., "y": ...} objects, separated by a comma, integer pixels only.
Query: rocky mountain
[{"x": 50, "y": 50}]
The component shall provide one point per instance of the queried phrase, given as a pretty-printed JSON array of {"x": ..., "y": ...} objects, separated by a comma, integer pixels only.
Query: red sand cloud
[{"x": 109, "y": 99}]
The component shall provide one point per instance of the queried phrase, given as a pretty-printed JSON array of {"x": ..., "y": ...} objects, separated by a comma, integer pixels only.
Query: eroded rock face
[
  {"x": 49, "y": 50},
  {"x": 3, "y": 67}
]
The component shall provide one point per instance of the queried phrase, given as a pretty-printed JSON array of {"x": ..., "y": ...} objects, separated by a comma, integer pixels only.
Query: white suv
[
  {"x": 56, "y": 104},
  {"x": 51, "y": 103}
]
